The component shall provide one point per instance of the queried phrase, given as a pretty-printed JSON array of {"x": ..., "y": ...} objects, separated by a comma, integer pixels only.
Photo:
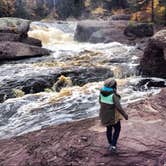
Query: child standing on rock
[{"x": 111, "y": 112}]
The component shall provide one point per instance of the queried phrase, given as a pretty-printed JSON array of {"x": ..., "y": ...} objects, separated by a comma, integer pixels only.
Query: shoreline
[{"x": 84, "y": 142}]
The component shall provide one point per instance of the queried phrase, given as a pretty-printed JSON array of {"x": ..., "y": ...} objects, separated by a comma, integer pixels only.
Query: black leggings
[{"x": 113, "y": 140}]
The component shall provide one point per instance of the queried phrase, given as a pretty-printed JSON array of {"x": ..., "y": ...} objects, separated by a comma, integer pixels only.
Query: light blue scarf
[{"x": 104, "y": 88}]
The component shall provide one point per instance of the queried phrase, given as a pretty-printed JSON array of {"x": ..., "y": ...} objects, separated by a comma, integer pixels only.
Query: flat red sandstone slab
[{"x": 142, "y": 141}]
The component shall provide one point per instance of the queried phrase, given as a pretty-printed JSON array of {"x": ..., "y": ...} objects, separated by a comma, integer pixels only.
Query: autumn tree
[
  {"x": 136, "y": 6},
  {"x": 148, "y": 10},
  {"x": 163, "y": 3},
  {"x": 7, "y": 7},
  {"x": 152, "y": 9}
]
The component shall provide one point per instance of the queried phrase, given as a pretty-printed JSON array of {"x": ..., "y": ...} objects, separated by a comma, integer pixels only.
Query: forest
[
  {"x": 82, "y": 82},
  {"x": 140, "y": 10}
]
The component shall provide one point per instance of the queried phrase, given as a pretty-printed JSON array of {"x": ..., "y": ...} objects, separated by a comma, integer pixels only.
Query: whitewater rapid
[{"x": 35, "y": 111}]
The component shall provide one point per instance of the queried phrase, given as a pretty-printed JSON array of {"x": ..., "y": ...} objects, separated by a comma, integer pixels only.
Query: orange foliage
[
  {"x": 149, "y": 6},
  {"x": 118, "y": 11},
  {"x": 145, "y": 13},
  {"x": 141, "y": 16}
]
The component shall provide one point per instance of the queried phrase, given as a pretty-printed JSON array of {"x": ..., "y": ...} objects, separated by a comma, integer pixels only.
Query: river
[{"x": 79, "y": 100}]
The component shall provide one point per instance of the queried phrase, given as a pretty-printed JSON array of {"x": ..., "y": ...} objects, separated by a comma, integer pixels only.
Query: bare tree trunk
[
  {"x": 152, "y": 14},
  {"x": 165, "y": 14}
]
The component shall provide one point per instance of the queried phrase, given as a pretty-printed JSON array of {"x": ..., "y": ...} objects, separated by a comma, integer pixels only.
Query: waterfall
[{"x": 53, "y": 33}]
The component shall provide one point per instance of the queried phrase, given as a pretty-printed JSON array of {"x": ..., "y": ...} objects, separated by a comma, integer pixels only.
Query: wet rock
[
  {"x": 100, "y": 31},
  {"x": 148, "y": 83},
  {"x": 86, "y": 29},
  {"x": 106, "y": 36},
  {"x": 142, "y": 141},
  {"x": 17, "y": 50},
  {"x": 100, "y": 36},
  {"x": 2, "y": 96},
  {"x": 31, "y": 41},
  {"x": 35, "y": 85},
  {"x": 153, "y": 61},
  {"x": 112, "y": 31},
  {"x": 17, "y": 38},
  {"x": 81, "y": 76},
  {"x": 15, "y": 30},
  {"x": 14, "y": 25},
  {"x": 139, "y": 30},
  {"x": 27, "y": 84},
  {"x": 37, "y": 81}
]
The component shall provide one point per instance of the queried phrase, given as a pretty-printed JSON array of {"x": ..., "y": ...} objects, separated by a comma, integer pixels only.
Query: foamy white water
[{"x": 34, "y": 111}]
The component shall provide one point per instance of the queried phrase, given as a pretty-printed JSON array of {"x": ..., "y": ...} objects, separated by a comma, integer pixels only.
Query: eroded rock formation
[
  {"x": 14, "y": 25},
  {"x": 100, "y": 31},
  {"x": 153, "y": 62},
  {"x": 111, "y": 31},
  {"x": 14, "y": 41},
  {"x": 139, "y": 30},
  {"x": 17, "y": 50}
]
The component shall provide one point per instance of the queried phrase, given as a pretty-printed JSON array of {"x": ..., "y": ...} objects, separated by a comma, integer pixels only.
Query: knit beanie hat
[{"x": 110, "y": 83}]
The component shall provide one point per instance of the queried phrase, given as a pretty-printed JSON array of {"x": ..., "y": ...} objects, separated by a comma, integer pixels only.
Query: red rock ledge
[{"x": 142, "y": 141}]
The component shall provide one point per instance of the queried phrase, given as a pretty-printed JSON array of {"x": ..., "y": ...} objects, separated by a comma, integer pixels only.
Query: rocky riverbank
[
  {"x": 81, "y": 67},
  {"x": 142, "y": 141},
  {"x": 14, "y": 41},
  {"x": 153, "y": 62}
]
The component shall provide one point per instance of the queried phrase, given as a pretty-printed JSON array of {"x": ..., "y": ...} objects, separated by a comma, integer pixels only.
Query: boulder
[
  {"x": 107, "y": 35},
  {"x": 141, "y": 142},
  {"x": 17, "y": 50},
  {"x": 85, "y": 29},
  {"x": 9, "y": 37},
  {"x": 14, "y": 25},
  {"x": 139, "y": 30},
  {"x": 83, "y": 75},
  {"x": 159, "y": 39},
  {"x": 100, "y": 36},
  {"x": 17, "y": 38},
  {"x": 100, "y": 31},
  {"x": 153, "y": 62},
  {"x": 14, "y": 29}
]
